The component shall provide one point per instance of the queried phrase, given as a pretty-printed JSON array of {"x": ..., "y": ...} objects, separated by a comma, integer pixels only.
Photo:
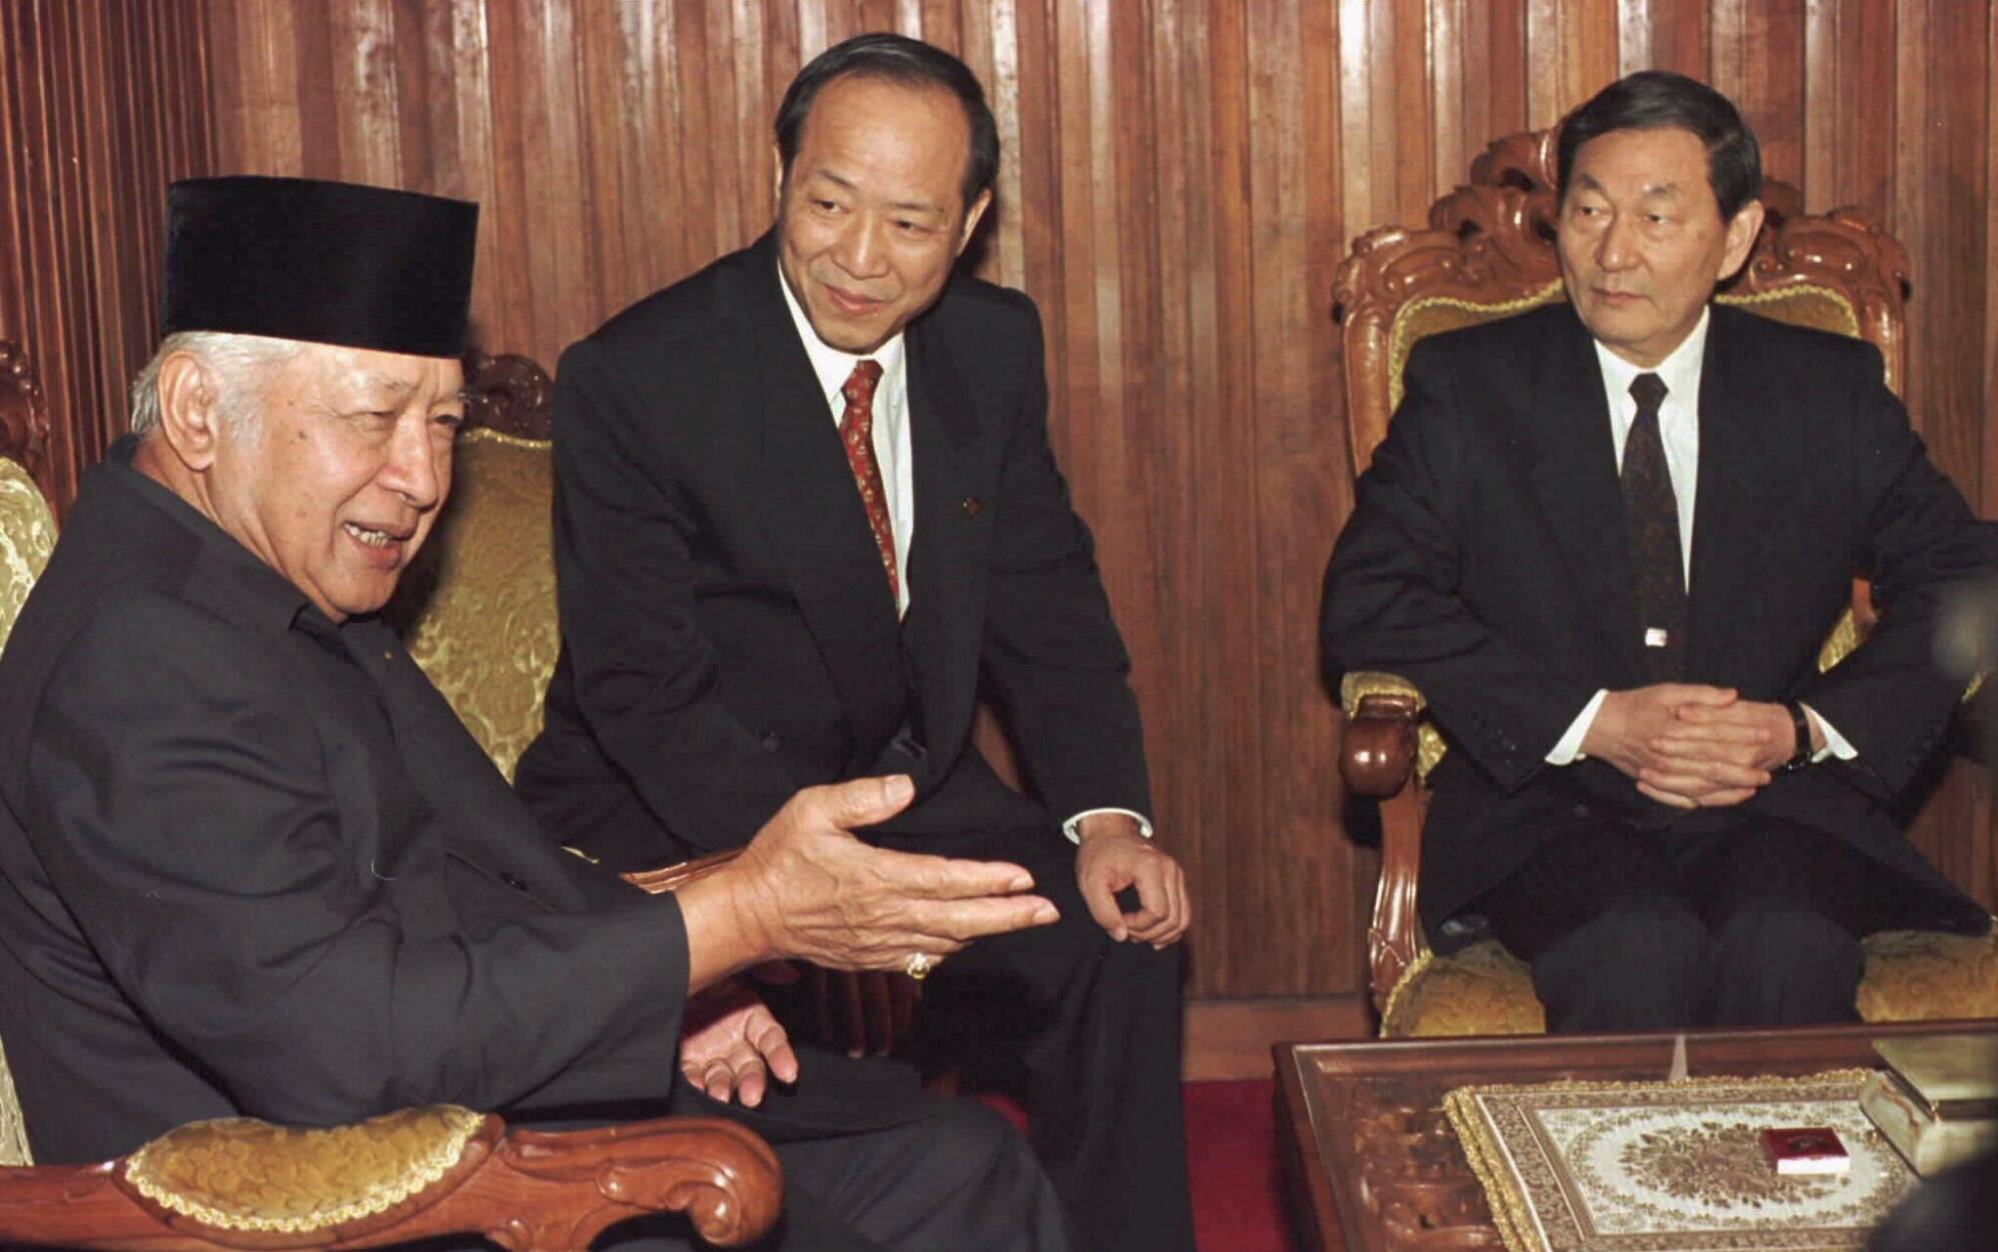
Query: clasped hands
[{"x": 1693, "y": 746}]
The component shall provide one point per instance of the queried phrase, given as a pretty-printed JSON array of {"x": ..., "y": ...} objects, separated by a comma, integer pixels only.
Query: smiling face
[
  {"x": 336, "y": 477},
  {"x": 871, "y": 215},
  {"x": 1641, "y": 239}
]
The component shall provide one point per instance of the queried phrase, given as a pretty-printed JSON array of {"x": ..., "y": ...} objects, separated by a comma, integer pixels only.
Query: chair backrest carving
[
  {"x": 1488, "y": 252},
  {"x": 24, "y": 415}
]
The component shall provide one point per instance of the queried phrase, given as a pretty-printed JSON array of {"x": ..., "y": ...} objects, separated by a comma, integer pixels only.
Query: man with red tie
[{"x": 806, "y": 516}]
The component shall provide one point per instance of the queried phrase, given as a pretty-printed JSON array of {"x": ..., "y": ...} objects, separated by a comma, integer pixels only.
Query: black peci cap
[{"x": 322, "y": 262}]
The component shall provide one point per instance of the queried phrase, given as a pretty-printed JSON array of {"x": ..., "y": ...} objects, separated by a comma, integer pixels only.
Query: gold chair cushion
[
  {"x": 240, "y": 1174},
  {"x": 478, "y": 611},
  {"x": 1920, "y": 975},
  {"x": 1911, "y": 975},
  {"x": 27, "y": 536}
]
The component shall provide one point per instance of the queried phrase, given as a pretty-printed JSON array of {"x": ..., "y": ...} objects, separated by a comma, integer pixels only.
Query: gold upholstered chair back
[
  {"x": 478, "y": 608},
  {"x": 1488, "y": 253},
  {"x": 27, "y": 537}
]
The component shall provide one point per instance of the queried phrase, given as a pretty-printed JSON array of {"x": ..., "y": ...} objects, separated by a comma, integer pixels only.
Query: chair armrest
[
  {"x": 1377, "y": 750},
  {"x": 673, "y": 877},
  {"x": 241, "y": 1183}
]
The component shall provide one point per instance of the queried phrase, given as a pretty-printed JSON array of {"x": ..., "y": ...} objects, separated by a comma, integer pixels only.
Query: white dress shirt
[
  {"x": 1679, "y": 431},
  {"x": 892, "y": 453}
]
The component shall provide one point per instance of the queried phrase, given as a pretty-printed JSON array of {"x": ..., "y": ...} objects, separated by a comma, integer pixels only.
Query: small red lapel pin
[{"x": 971, "y": 506}]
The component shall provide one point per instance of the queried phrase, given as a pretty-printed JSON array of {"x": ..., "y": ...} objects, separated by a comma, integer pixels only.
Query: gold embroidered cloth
[{"x": 1673, "y": 1167}]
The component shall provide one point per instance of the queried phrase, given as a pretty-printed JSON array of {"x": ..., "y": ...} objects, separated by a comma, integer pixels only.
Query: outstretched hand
[{"x": 806, "y": 888}]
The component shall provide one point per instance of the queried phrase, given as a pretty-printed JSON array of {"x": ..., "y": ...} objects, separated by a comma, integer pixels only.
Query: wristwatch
[{"x": 1802, "y": 756}]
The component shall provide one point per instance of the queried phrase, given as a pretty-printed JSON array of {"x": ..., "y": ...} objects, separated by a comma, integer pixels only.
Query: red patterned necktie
[{"x": 856, "y": 431}]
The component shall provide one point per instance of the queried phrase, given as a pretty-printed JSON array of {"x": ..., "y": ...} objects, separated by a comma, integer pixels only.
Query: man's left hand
[
  {"x": 1115, "y": 856},
  {"x": 731, "y": 1045}
]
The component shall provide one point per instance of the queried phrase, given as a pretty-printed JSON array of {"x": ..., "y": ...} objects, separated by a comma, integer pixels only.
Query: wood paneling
[
  {"x": 101, "y": 106},
  {"x": 1180, "y": 180}
]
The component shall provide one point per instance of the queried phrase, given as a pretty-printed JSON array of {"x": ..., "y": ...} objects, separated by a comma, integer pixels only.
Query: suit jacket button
[
  {"x": 513, "y": 880},
  {"x": 1580, "y": 810},
  {"x": 771, "y": 742}
]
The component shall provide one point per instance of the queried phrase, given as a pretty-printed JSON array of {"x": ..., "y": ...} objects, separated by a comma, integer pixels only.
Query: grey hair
[{"x": 238, "y": 364}]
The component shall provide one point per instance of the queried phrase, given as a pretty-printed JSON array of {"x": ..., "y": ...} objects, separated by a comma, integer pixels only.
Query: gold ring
[{"x": 919, "y": 966}]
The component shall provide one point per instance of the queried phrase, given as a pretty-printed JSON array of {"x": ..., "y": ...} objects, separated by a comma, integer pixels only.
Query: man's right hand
[
  {"x": 806, "y": 888},
  {"x": 1640, "y": 732}
]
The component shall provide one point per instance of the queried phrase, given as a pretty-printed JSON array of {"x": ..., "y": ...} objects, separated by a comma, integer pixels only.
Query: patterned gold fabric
[
  {"x": 1911, "y": 975},
  {"x": 240, "y": 1174},
  {"x": 27, "y": 536},
  {"x": 478, "y": 610}
]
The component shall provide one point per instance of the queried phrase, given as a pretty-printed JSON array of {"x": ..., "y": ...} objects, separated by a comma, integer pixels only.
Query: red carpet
[{"x": 1232, "y": 1156}]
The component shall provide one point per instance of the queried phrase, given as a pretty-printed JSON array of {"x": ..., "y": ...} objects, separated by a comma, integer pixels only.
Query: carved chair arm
[
  {"x": 414, "y": 1174},
  {"x": 1377, "y": 751}
]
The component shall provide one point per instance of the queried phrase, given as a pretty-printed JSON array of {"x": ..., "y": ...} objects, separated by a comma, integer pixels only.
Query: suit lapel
[
  {"x": 817, "y": 524},
  {"x": 946, "y": 579},
  {"x": 1575, "y": 478},
  {"x": 1734, "y": 403}
]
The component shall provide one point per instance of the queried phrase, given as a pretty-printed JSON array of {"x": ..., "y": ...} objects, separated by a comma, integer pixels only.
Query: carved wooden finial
[{"x": 24, "y": 415}]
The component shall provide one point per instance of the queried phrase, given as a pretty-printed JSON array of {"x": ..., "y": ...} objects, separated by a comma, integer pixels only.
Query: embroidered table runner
[{"x": 1673, "y": 1166}]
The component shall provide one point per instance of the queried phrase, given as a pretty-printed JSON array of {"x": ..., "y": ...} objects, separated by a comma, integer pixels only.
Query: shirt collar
[
  {"x": 832, "y": 366},
  {"x": 226, "y": 574},
  {"x": 1680, "y": 372}
]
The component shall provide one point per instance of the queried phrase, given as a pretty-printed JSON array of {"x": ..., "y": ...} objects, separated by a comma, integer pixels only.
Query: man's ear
[
  {"x": 1742, "y": 233},
  {"x": 190, "y": 417},
  {"x": 777, "y": 177},
  {"x": 971, "y": 219}
]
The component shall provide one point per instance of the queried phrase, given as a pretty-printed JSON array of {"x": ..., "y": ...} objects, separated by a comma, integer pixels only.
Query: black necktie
[{"x": 1651, "y": 517}]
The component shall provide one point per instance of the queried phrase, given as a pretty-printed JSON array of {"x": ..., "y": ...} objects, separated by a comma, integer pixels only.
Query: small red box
[{"x": 1806, "y": 1150}]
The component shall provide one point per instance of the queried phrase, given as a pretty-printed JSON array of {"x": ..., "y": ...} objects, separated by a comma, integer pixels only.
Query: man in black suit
[
  {"x": 253, "y": 864},
  {"x": 806, "y": 512},
  {"x": 1606, "y": 539}
]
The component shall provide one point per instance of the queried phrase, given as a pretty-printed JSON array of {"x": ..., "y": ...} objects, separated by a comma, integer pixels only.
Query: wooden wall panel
[
  {"x": 1181, "y": 178},
  {"x": 101, "y": 105}
]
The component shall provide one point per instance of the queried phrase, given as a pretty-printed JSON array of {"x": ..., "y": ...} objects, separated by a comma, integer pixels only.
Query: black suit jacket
[
  {"x": 238, "y": 877},
  {"x": 1486, "y": 560},
  {"x": 728, "y": 633},
  {"x": 251, "y": 863}
]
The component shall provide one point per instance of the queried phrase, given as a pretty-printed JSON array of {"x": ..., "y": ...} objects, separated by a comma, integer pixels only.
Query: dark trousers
[
  {"x": 1086, "y": 1032},
  {"x": 884, "y": 1168},
  {"x": 1755, "y": 925}
]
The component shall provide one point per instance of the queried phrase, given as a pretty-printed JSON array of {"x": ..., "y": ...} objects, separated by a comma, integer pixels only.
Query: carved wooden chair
[
  {"x": 1488, "y": 253},
  {"x": 478, "y": 614},
  {"x": 408, "y": 1175}
]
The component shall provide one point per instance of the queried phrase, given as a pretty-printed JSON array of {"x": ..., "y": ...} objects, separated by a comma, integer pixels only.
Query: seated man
[
  {"x": 806, "y": 512},
  {"x": 1606, "y": 539},
  {"x": 255, "y": 866}
]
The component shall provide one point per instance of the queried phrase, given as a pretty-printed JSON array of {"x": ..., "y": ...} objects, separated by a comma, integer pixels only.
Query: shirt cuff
[
  {"x": 1835, "y": 743},
  {"x": 1073, "y": 826},
  {"x": 1568, "y": 748}
]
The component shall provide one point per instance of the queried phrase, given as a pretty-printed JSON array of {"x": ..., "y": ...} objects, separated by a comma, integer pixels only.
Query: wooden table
[{"x": 1372, "y": 1158}]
